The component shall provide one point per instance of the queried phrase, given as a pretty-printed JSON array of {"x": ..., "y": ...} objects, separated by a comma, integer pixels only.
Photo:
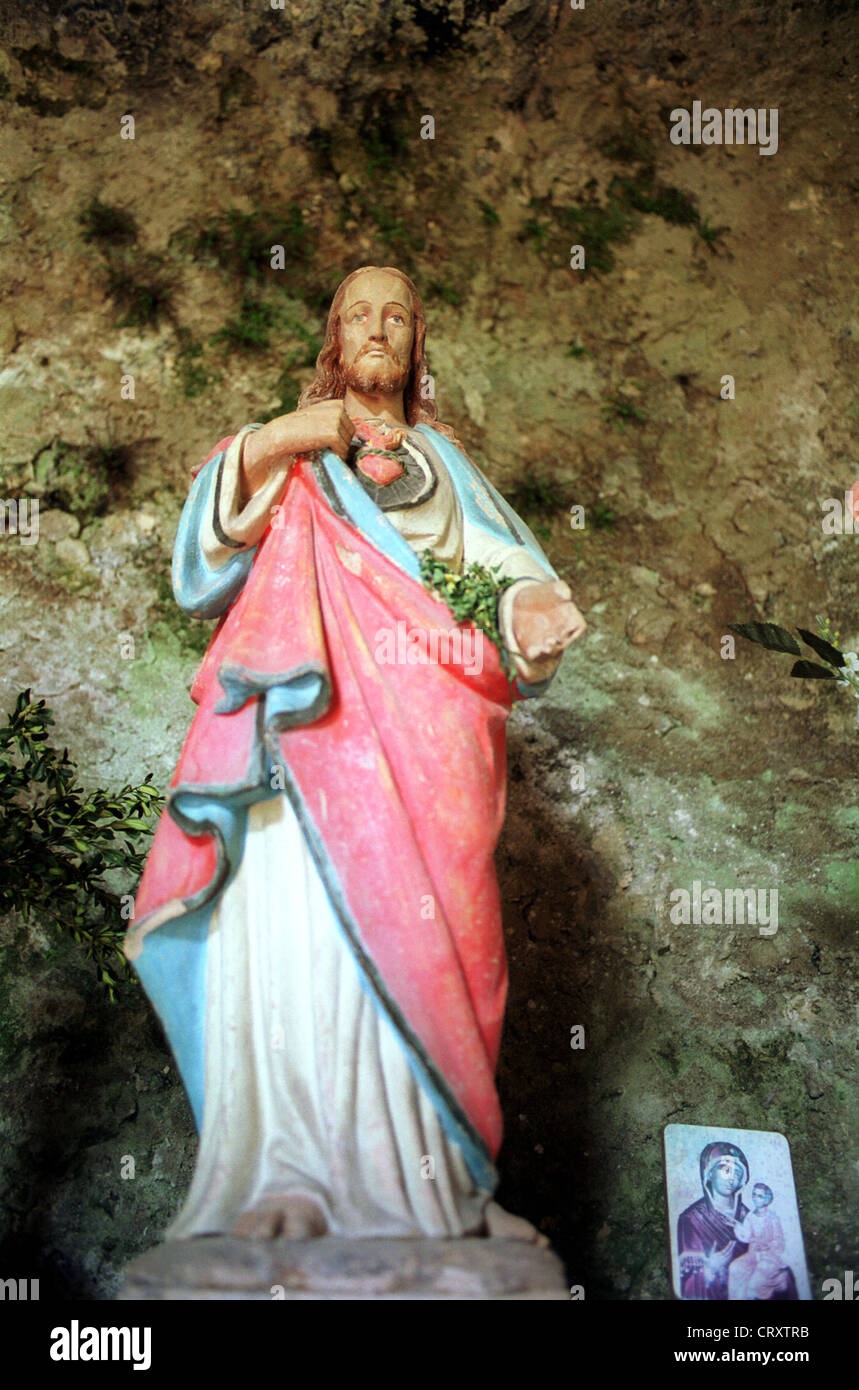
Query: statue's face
[
  {"x": 376, "y": 332},
  {"x": 727, "y": 1177},
  {"x": 760, "y": 1198}
]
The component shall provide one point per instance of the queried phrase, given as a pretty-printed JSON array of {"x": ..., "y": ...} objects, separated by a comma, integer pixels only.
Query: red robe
[{"x": 396, "y": 771}]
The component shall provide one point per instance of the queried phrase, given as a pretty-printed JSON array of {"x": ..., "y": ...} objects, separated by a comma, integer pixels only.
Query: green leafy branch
[
  {"x": 58, "y": 841},
  {"x": 841, "y": 666},
  {"x": 471, "y": 597}
]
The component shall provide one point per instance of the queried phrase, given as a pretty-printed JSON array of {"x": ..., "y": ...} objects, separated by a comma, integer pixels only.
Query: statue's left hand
[{"x": 545, "y": 622}]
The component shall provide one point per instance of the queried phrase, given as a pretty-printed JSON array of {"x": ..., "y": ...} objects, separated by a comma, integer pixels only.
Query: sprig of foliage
[
  {"x": 240, "y": 243},
  {"x": 194, "y": 375},
  {"x": 471, "y": 597},
  {"x": 602, "y": 517},
  {"x": 138, "y": 283},
  {"x": 600, "y": 226},
  {"x": 537, "y": 495},
  {"x": 59, "y": 841},
  {"x": 842, "y": 667},
  {"x": 107, "y": 225},
  {"x": 82, "y": 480},
  {"x": 619, "y": 410},
  {"x": 140, "y": 288},
  {"x": 383, "y": 139},
  {"x": 250, "y": 329},
  {"x": 237, "y": 89},
  {"x": 448, "y": 294},
  {"x": 488, "y": 213}
]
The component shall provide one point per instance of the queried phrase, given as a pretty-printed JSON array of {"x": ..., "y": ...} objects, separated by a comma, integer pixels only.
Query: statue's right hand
[{"x": 323, "y": 425}]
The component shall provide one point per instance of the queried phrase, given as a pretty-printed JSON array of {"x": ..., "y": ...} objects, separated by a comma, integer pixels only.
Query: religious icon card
[{"x": 733, "y": 1217}]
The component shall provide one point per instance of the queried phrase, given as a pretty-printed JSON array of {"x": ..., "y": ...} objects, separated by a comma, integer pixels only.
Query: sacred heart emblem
[{"x": 376, "y": 457}]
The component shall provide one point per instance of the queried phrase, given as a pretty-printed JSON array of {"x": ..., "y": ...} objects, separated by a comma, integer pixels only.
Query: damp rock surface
[{"x": 141, "y": 321}]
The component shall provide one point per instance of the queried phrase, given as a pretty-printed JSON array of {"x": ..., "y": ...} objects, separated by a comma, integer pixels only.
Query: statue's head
[
  {"x": 374, "y": 341},
  {"x": 761, "y": 1195},
  {"x": 724, "y": 1169}
]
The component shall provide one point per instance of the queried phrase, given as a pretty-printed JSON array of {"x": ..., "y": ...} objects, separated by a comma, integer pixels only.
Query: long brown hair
[{"x": 329, "y": 384}]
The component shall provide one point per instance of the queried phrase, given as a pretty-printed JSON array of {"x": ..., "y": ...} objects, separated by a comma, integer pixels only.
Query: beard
[{"x": 370, "y": 376}]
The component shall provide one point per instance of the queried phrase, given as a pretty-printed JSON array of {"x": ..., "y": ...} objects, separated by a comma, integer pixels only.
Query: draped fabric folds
[{"x": 396, "y": 773}]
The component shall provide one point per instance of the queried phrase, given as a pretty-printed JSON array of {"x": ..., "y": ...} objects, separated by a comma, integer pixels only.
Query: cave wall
[{"x": 302, "y": 126}]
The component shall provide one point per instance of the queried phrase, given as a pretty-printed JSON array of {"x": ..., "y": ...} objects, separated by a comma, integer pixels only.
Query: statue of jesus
[{"x": 318, "y": 924}]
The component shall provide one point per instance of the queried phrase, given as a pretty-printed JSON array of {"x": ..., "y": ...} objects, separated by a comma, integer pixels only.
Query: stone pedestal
[{"x": 332, "y": 1267}]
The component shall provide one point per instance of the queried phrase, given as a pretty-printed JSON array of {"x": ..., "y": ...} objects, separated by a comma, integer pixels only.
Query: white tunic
[{"x": 308, "y": 1089}]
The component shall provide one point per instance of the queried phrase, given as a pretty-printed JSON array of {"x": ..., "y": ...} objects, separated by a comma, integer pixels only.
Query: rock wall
[{"x": 140, "y": 321}]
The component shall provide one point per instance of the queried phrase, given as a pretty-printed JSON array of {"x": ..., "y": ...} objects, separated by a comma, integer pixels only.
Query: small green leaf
[
  {"x": 811, "y": 671},
  {"x": 823, "y": 648},
  {"x": 769, "y": 635}
]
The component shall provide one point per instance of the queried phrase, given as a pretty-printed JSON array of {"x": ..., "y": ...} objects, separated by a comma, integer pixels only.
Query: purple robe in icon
[{"x": 703, "y": 1233}]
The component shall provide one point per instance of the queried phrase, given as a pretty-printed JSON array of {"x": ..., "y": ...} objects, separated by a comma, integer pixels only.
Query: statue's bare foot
[
  {"x": 503, "y": 1225},
  {"x": 297, "y": 1217}
]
